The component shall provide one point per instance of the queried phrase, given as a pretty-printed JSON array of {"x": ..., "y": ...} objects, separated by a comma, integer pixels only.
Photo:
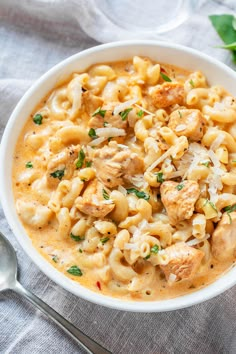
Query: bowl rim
[{"x": 220, "y": 285}]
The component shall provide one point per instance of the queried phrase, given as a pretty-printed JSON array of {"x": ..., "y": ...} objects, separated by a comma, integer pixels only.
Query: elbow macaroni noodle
[{"x": 103, "y": 176}]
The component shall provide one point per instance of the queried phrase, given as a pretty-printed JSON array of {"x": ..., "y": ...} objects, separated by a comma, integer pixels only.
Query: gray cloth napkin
[{"x": 34, "y": 36}]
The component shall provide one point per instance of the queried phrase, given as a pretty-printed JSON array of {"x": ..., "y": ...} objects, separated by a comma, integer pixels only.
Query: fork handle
[{"x": 87, "y": 343}]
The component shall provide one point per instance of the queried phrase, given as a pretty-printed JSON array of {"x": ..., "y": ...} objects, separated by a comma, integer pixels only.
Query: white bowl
[{"x": 216, "y": 72}]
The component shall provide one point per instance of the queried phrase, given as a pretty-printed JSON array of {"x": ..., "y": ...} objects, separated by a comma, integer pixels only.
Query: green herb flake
[
  {"x": 105, "y": 124},
  {"x": 160, "y": 178},
  {"x": 180, "y": 186},
  {"x": 88, "y": 163},
  {"x": 55, "y": 259},
  {"x": 77, "y": 238},
  {"x": 58, "y": 174},
  {"x": 109, "y": 139},
  {"x": 165, "y": 77},
  {"x": 80, "y": 250},
  {"x": 211, "y": 204},
  {"x": 229, "y": 209},
  {"x": 81, "y": 158},
  {"x": 155, "y": 249},
  {"x": 29, "y": 164},
  {"x": 192, "y": 83},
  {"x": 74, "y": 270},
  {"x": 99, "y": 112},
  {"x": 38, "y": 119},
  {"x": 105, "y": 194},
  {"x": 124, "y": 114},
  {"x": 148, "y": 256},
  {"x": 180, "y": 114},
  {"x": 140, "y": 113},
  {"x": 92, "y": 133},
  {"x": 206, "y": 163},
  {"x": 233, "y": 160},
  {"x": 104, "y": 240},
  {"x": 139, "y": 194}
]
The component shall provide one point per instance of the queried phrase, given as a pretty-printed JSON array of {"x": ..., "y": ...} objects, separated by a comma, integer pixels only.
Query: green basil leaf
[
  {"x": 29, "y": 164},
  {"x": 105, "y": 194},
  {"x": 124, "y": 114},
  {"x": 38, "y": 118},
  {"x": 99, "y": 112},
  {"x": 165, "y": 77},
  {"x": 58, "y": 174},
  {"x": 104, "y": 240},
  {"x": 160, "y": 177},
  {"x": 81, "y": 158},
  {"x": 139, "y": 194},
  {"x": 92, "y": 133},
  {"x": 77, "y": 238},
  {"x": 180, "y": 186},
  {"x": 74, "y": 270}
]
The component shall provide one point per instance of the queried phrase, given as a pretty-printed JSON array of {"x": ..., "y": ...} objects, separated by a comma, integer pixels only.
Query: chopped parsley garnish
[
  {"x": 155, "y": 249},
  {"x": 38, "y": 119},
  {"x": 229, "y": 209},
  {"x": 165, "y": 77},
  {"x": 180, "y": 186},
  {"x": 55, "y": 259},
  {"x": 180, "y": 114},
  {"x": 29, "y": 164},
  {"x": 147, "y": 257},
  {"x": 140, "y": 113},
  {"x": 81, "y": 158},
  {"x": 160, "y": 177},
  {"x": 92, "y": 133},
  {"x": 233, "y": 160},
  {"x": 99, "y": 112},
  {"x": 58, "y": 174},
  {"x": 105, "y": 194},
  {"x": 211, "y": 204},
  {"x": 80, "y": 250},
  {"x": 192, "y": 83},
  {"x": 207, "y": 163},
  {"x": 77, "y": 238},
  {"x": 74, "y": 270},
  {"x": 105, "y": 124},
  {"x": 88, "y": 163},
  {"x": 104, "y": 240},
  {"x": 124, "y": 114},
  {"x": 139, "y": 194}
]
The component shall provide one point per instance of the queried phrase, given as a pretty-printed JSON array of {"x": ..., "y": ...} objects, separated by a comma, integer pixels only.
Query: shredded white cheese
[
  {"x": 180, "y": 127},
  {"x": 172, "y": 278},
  {"x": 145, "y": 110},
  {"x": 97, "y": 141},
  {"x": 110, "y": 132},
  {"x": 160, "y": 159},
  {"x": 196, "y": 241},
  {"x": 121, "y": 107}
]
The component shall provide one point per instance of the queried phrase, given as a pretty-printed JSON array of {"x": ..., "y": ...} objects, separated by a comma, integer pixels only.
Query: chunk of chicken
[
  {"x": 179, "y": 199},
  {"x": 183, "y": 261},
  {"x": 114, "y": 120},
  {"x": 224, "y": 238},
  {"x": 187, "y": 122},
  {"x": 167, "y": 94},
  {"x": 92, "y": 202},
  {"x": 62, "y": 165},
  {"x": 114, "y": 165},
  {"x": 91, "y": 102}
]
